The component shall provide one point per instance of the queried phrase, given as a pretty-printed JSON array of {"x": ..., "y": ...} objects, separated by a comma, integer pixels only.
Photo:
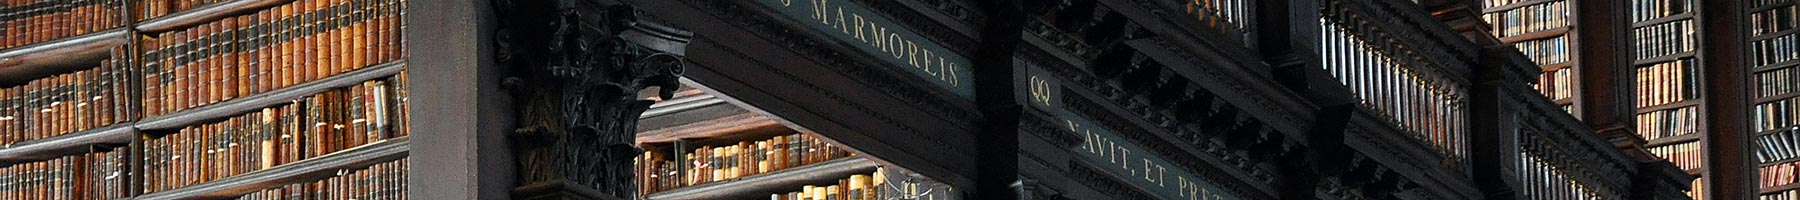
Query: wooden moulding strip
[
  {"x": 23, "y": 64},
  {"x": 204, "y": 14},
  {"x": 67, "y": 144}
]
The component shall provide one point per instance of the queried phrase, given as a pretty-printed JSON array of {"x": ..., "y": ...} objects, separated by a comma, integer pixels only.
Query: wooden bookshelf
[
  {"x": 759, "y": 186},
  {"x": 239, "y": 106},
  {"x": 1667, "y": 106},
  {"x": 67, "y": 144},
  {"x": 25, "y": 63},
  {"x": 304, "y": 171},
  {"x": 1774, "y": 66},
  {"x": 1663, "y": 58},
  {"x": 1786, "y": 187},
  {"x": 1664, "y": 19},
  {"x": 204, "y": 14}
]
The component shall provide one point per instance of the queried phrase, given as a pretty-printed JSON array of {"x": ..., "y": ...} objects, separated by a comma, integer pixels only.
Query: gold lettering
[
  {"x": 859, "y": 27},
  {"x": 840, "y": 19},
  {"x": 899, "y": 45},
  {"x": 1124, "y": 158},
  {"x": 912, "y": 53},
  {"x": 1181, "y": 186},
  {"x": 1147, "y": 170},
  {"x": 949, "y": 71},
  {"x": 820, "y": 11},
  {"x": 877, "y": 33},
  {"x": 1162, "y": 175},
  {"x": 1113, "y": 156},
  {"x": 928, "y": 65},
  {"x": 785, "y": 3},
  {"x": 952, "y": 72},
  {"x": 1040, "y": 90}
]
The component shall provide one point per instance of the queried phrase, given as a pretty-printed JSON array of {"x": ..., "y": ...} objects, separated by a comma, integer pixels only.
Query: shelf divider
[
  {"x": 76, "y": 143},
  {"x": 239, "y": 106},
  {"x": 204, "y": 14},
  {"x": 22, "y": 64},
  {"x": 309, "y": 170}
]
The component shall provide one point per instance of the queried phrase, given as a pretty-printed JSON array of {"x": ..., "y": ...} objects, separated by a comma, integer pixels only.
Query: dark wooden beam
[
  {"x": 1605, "y": 99},
  {"x": 998, "y": 151},
  {"x": 1729, "y": 171}
]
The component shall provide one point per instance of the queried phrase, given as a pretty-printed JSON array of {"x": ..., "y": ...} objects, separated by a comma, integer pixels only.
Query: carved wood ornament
[{"x": 575, "y": 69}]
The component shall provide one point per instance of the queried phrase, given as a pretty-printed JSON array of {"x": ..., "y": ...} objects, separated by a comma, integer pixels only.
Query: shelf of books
[
  {"x": 701, "y": 145},
  {"x": 1771, "y": 61},
  {"x": 1665, "y": 77},
  {"x": 202, "y": 99},
  {"x": 1540, "y": 30}
]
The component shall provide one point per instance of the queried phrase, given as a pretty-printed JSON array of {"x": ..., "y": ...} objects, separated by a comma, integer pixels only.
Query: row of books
[
  {"x": 311, "y": 127},
  {"x": 1643, "y": 10},
  {"x": 1529, "y": 19},
  {"x": 1663, "y": 39},
  {"x": 1665, "y": 83},
  {"x": 1777, "y": 174},
  {"x": 680, "y": 167},
  {"x": 1773, "y": 50},
  {"x": 1543, "y": 180},
  {"x": 1545, "y": 51},
  {"x": 67, "y": 103},
  {"x": 1686, "y": 155},
  {"x": 1778, "y": 146},
  {"x": 1777, "y": 82},
  {"x": 1782, "y": 195},
  {"x": 1775, "y": 115},
  {"x": 149, "y": 9},
  {"x": 857, "y": 187},
  {"x": 32, "y": 21},
  {"x": 282, "y": 46},
  {"x": 99, "y": 175},
  {"x": 1773, "y": 20},
  {"x": 1668, "y": 123},
  {"x": 1764, "y": 3},
  {"x": 1556, "y": 84},
  {"x": 385, "y": 181}
]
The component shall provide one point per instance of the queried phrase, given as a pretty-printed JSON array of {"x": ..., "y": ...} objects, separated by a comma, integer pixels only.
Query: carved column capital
[{"x": 575, "y": 69}]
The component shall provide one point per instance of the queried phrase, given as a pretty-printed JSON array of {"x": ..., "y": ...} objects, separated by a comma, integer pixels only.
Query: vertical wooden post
[
  {"x": 1729, "y": 173},
  {"x": 460, "y": 115}
]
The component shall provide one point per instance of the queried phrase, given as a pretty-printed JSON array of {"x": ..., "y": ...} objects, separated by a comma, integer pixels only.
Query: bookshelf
[
  {"x": 298, "y": 172},
  {"x": 762, "y": 184},
  {"x": 1770, "y": 62},
  {"x": 705, "y": 145},
  {"x": 286, "y": 95},
  {"x": 341, "y": 95},
  {"x": 1541, "y": 30}
]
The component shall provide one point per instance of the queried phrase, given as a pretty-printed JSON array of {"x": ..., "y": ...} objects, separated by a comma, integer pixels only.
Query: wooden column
[
  {"x": 460, "y": 115},
  {"x": 1730, "y": 172},
  {"x": 1605, "y": 101},
  {"x": 997, "y": 174}
]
